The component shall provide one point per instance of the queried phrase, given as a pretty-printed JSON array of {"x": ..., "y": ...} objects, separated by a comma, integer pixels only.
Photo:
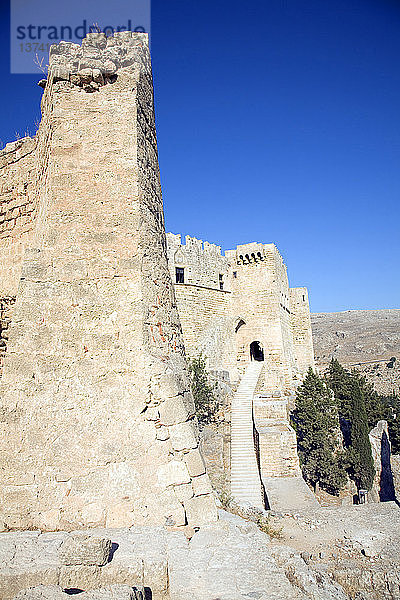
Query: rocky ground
[
  {"x": 385, "y": 376},
  {"x": 227, "y": 560},
  {"x": 321, "y": 554},
  {"x": 358, "y": 546},
  {"x": 369, "y": 337}
]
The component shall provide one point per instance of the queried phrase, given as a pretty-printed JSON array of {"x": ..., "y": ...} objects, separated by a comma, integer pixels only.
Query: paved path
[{"x": 288, "y": 494}]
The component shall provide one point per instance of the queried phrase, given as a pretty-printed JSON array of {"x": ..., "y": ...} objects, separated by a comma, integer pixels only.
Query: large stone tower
[{"x": 97, "y": 420}]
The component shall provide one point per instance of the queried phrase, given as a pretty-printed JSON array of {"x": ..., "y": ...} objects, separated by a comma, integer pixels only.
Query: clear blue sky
[{"x": 278, "y": 121}]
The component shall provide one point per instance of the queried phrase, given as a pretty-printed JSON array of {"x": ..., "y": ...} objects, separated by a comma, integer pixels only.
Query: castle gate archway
[{"x": 256, "y": 351}]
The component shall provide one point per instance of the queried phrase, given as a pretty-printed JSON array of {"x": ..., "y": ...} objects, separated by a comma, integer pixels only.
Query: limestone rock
[
  {"x": 173, "y": 411},
  {"x": 173, "y": 473},
  {"x": 315, "y": 585},
  {"x": 115, "y": 592},
  {"x": 201, "y": 485},
  {"x": 84, "y": 549},
  {"x": 42, "y": 592},
  {"x": 233, "y": 560},
  {"x": 195, "y": 463},
  {"x": 199, "y": 508},
  {"x": 182, "y": 436},
  {"x": 55, "y": 592}
]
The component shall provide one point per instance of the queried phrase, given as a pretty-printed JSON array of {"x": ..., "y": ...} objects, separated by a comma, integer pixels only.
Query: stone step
[{"x": 245, "y": 477}]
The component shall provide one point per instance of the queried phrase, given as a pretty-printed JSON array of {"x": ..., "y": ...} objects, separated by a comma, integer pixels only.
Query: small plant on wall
[{"x": 205, "y": 400}]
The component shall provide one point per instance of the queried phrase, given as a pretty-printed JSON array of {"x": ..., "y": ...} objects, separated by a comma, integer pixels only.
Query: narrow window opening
[
  {"x": 179, "y": 275},
  {"x": 221, "y": 282},
  {"x": 234, "y": 274}
]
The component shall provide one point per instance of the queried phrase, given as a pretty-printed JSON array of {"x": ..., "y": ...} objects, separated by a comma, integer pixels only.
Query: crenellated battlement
[
  {"x": 199, "y": 263},
  {"x": 254, "y": 252},
  {"x": 193, "y": 244},
  {"x": 99, "y": 60}
]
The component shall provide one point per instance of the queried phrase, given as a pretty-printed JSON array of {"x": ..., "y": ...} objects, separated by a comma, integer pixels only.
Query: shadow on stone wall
[{"x": 386, "y": 489}]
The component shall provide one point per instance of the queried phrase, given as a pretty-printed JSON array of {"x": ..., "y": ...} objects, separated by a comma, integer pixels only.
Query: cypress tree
[
  {"x": 315, "y": 420},
  {"x": 360, "y": 454},
  {"x": 339, "y": 381},
  {"x": 353, "y": 395},
  {"x": 376, "y": 408}
]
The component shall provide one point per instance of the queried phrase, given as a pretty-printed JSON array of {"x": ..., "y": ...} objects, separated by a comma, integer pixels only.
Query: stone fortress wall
[
  {"x": 227, "y": 302},
  {"x": 97, "y": 421},
  {"x": 18, "y": 203},
  {"x": 17, "y": 215}
]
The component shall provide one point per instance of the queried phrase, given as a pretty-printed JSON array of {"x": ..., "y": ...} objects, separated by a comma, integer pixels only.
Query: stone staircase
[
  {"x": 246, "y": 486},
  {"x": 277, "y": 439}
]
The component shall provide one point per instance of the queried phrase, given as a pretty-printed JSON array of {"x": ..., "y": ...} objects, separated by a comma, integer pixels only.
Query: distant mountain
[
  {"x": 356, "y": 335},
  {"x": 361, "y": 336}
]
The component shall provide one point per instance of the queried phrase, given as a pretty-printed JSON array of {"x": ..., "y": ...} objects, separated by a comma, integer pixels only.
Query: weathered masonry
[
  {"x": 97, "y": 419},
  {"x": 238, "y": 307}
]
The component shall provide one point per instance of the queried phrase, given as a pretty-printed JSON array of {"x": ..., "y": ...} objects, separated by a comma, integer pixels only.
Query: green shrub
[{"x": 206, "y": 403}]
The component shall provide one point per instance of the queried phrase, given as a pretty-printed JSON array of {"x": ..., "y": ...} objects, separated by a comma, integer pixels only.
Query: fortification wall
[
  {"x": 97, "y": 420},
  {"x": 301, "y": 328},
  {"x": 203, "y": 313},
  {"x": 258, "y": 307},
  {"x": 17, "y": 209},
  {"x": 17, "y": 214},
  {"x": 203, "y": 264},
  {"x": 289, "y": 365}
]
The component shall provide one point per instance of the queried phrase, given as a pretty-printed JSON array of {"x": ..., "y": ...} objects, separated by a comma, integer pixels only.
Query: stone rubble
[{"x": 229, "y": 560}]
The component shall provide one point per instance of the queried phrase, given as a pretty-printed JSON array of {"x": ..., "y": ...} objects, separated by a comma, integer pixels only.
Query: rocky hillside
[{"x": 370, "y": 337}]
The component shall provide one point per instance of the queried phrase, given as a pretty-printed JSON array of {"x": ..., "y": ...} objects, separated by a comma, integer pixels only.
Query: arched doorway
[{"x": 256, "y": 351}]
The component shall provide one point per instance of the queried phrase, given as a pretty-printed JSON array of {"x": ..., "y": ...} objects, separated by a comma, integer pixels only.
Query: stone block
[
  {"x": 195, "y": 463},
  {"x": 129, "y": 572},
  {"x": 42, "y": 592},
  {"x": 201, "y": 510},
  {"x": 80, "y": 577},
  {"x": 173, "y": 511},
  {"x": 173, "y": 473},
  {"x": 182, "y": 436},
  {"x": 12, "y": 579},
  {"x": 156, "y": 571},
  {"x": 201, "y": 485},
  {"x": 162, "y": 434},
  {"x": 120, "y": 514},
  {"x": 55, "y": 592},
  {"x": 173, "y": 411},
  {"x": 115, "y": 592},
  {"x": 84, "y": 549},
  {"x": 184, "y": 492}
]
